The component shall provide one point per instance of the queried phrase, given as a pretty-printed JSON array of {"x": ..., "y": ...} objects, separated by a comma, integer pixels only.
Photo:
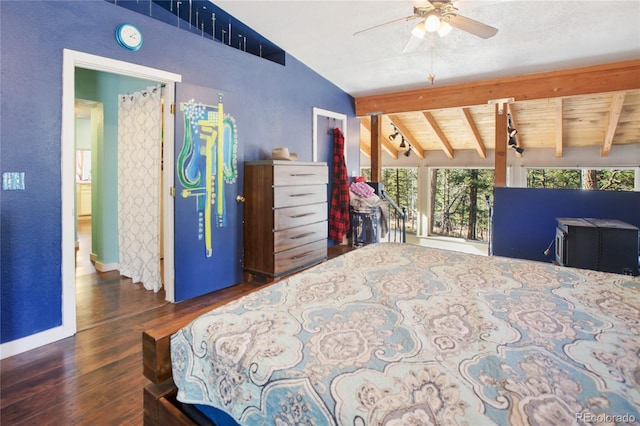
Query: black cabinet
[{"x": 599, "y": 244}]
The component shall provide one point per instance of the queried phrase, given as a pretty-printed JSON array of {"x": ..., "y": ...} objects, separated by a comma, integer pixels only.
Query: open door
[{"x": 208, "y": 180}]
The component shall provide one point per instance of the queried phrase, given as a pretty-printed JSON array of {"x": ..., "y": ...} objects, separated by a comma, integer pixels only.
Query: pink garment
[{"x": 362, "y": 189}]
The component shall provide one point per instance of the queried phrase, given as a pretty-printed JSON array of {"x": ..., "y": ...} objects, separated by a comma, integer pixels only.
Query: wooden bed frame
[{"x": 159, "y": 397}]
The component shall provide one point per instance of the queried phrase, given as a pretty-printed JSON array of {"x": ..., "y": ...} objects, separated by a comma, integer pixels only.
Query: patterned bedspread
[{"x": 398, "y": 334}]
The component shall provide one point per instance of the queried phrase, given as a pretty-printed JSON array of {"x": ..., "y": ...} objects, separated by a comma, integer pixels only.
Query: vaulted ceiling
[
  {"x": 595, "y": 106},
  {"x": 534, "y": 37}
]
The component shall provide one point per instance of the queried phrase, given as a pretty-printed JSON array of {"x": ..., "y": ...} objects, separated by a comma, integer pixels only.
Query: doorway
[
  {"x": 102, "y": 293},
  {"x": 87, "y": 119},
  {"x": 71, "y": 61}
]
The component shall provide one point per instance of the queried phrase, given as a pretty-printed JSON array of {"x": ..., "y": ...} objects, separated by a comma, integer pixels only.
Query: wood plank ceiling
[{"x": 605, "y": 115}]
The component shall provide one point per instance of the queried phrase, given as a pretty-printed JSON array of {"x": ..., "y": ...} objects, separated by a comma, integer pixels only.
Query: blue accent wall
[
  {"x": 276, "y": 101},
  {"x": 524, "y": 220}
]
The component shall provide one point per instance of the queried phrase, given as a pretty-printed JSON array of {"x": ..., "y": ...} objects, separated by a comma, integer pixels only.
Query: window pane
[
  {"x": 596, "y": 179},
  {"x": 401, "y": 185},
  {"x": 459, "y": 206}
]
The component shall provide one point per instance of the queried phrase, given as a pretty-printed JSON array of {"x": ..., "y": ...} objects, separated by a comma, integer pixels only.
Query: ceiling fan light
[
  {"x": 444, "y": 28},
  {"x": 419, "y": 30},
  {"x": 432, "y": 23}
]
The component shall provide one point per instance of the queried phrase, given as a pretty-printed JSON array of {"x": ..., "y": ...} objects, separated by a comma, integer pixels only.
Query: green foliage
[
  {"x": 606, "y": 179},
  {"x": 458, "y": 191},
  {"x": 450, "y": 210},
  {"x": 401, "y": 184},
  {"x": 554, "y": 178}
]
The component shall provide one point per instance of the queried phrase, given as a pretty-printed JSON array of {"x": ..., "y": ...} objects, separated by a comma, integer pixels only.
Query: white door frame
[
  {"x": 319, "y": 112},
  {"x": 71, "y": 60}
]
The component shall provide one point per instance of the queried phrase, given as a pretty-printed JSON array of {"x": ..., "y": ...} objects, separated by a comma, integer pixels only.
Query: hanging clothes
[{"x": 339, "y": 207}]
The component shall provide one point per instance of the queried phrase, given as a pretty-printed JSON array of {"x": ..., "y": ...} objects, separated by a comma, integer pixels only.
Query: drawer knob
[{"x": 240, "y": 198}]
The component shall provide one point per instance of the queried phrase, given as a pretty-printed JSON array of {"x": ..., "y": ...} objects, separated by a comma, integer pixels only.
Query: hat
[{"x": 282, "y": 153}]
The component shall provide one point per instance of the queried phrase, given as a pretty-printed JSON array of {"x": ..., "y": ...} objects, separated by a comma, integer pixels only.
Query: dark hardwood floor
[
  {"x": 95, "y": 377},
  {"x": 105, "y": 296}
]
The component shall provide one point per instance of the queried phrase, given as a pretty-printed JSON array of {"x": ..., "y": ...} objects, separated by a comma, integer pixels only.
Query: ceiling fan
[{"x": 437, "y": 16}]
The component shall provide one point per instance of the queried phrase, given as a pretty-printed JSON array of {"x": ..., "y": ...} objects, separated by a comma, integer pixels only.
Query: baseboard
[
  {"x": 34, "y": 341},
  {"x": 106, "y": 267},
  {"x": 103, "y": 267}
]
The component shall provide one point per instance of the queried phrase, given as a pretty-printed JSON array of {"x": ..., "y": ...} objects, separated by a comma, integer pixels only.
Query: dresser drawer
[
  {"x": 288, "y": 196},
  {"x": 294, "y": 237},
  {"x": 290, "y": 217},
  {"x": 300, "y": 175},
  {"x": 285, "y": 216},
  {"x": 299, "y": 257}
]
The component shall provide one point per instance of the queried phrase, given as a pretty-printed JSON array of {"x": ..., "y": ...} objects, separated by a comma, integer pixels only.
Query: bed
[{"x": 399, "y": 334}]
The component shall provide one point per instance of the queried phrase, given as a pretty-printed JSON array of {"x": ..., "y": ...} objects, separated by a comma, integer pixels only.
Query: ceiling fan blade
[
  {"x": 395, "y": 21},
  {"x": 412, "y": 44},
  {"x": 473, "y": 27},
  {"x": 423, "y": 4}
]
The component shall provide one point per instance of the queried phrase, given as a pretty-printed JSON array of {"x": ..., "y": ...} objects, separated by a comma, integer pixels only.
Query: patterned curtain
[{"x": 139, "y": 145}]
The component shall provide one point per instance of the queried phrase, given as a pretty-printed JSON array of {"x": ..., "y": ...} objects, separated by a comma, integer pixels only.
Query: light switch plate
[{"x": 13, "y": 181}]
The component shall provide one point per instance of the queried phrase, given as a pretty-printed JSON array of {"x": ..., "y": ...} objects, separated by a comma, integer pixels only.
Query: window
[
  {"x": 595, "y": 179},
  {"x": 401, "y": 185},
  {"x": 459, "y": 203}
]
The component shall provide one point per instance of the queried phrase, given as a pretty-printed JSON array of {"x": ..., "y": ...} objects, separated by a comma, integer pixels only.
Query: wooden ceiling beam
[
  {"x": 376, "y": 149},
  {"x": 391, "y": 150},
  {"x": 614, "y": 118},
  {"x": 500, "y": 151},
  {"x": 467, "y": 118},
  {"x": 559, "y": 127},
  {"x": 613, "y": 77},
  {"x": 442, "y": 139},
  {"x": 413, "y": 142}
]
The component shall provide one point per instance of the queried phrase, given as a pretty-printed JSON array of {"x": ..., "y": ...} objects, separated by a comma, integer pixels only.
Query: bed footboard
[
  {"x": 161, "y": 407},
  {"x": 160, "y": 404},
  {"x": 159, "y": 397}
]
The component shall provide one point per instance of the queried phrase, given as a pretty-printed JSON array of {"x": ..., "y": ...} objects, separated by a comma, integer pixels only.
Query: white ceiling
[{"x": 533, "y": 36}]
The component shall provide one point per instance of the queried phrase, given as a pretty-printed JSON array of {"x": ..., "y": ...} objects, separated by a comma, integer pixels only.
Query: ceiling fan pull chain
[{"x": 432, "y": 76}]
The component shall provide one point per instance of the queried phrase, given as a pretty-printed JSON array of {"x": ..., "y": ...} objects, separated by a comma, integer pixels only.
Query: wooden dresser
[{"x": 285, "y": 216}]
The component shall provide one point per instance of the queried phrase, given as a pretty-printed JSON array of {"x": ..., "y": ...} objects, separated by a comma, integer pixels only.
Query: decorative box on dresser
[{"x": 285, "y": 216}]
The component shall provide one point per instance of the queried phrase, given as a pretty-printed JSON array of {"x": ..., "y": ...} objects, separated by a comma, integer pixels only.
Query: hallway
[{"x": 106, "y": 296}]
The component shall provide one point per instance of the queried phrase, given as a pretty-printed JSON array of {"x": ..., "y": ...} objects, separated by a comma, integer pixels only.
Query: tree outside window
[
  {"x": 459, "y": 206},
  {"x": 401, "y": 185},
  {"x": 593, "y": 179}
]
